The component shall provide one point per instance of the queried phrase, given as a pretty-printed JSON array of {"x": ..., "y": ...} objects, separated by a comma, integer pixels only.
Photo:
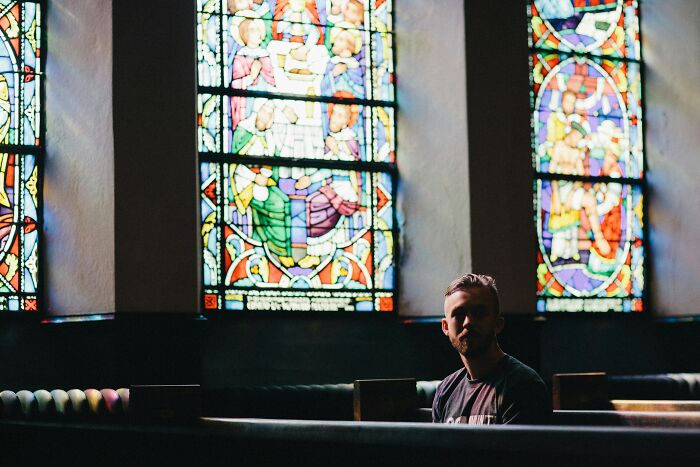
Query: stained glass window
[
  {"x": 587, "y": 142},
  {"x": 296, "y": 135},
  {"x": 21, "y": 152}
]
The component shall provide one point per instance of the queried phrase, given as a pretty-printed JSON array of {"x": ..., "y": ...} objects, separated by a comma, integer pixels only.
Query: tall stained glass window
[
  {"x": 586, "y": 98},
  {"x": 21, "y": 152},
  {"x": 297, "y": 154}
]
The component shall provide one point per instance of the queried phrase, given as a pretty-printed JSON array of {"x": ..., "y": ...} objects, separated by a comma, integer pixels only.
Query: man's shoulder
[
  {"x": 451, "y": 380},
  {"x": 519, "y": 373},
  {"x": 525, "y": 397}
]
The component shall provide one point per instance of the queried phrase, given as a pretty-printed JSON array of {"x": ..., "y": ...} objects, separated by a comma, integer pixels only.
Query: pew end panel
[
  {"x": 390, "y": 400},
  {"x": 580, "y": 391}
]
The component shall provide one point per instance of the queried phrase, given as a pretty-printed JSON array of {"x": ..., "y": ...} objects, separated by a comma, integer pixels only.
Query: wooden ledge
[{"x": 630, "y": 405}]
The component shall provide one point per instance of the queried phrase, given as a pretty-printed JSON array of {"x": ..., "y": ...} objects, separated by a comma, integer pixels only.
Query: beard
[{"x": 472, "y": 345}]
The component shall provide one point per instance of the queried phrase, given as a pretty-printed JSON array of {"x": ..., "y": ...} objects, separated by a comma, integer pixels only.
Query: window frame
[
  {"x": 631, "y": 183},
  {"x": 370, "y": 167}
]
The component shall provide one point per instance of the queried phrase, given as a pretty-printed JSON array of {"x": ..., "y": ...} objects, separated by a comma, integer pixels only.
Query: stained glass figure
[
  {"x": 383, "y": 71},
  {"x": 296, "y": 129},
  {"x": 596, "y": 27},
  {"x": 382, "y": 15},
  {"x": 297, "y": 48},
  {"x": 209, "y": 121},
  {"x": 602, "y": 97},
  {"x": 383, "y": 127},
  {"x": 262, "y": 58},
  {"x": 21, "y": 101},
  {"x": 590, "y": 239},
  {"x": 209, "y": 45},
  {"x": 588, "y": 155},
  {"x": 297, "y": 151}
]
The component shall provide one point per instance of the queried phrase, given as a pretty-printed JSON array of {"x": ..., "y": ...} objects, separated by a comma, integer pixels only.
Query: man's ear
[
  {"x": 500, "y": 324},
  {"x": 445, "y": 328}
]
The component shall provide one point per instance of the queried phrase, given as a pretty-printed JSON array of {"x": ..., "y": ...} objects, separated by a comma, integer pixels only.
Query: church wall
[
  {"x": 672, "y": 56},
  {"x": 500, "y": 164},
  {"x": 157, "y": 237},
  {"x": 79, "y": 170},
  {"x": 432, "y": 152}
]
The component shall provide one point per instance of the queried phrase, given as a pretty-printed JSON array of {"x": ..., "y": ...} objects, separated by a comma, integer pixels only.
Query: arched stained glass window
[
  {"x": 21, "y": 153},
  {"x": 586, "y": 97},
  {"x": 297, "y": 154}
]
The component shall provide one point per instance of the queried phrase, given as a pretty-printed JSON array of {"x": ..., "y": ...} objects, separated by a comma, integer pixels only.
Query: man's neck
[{"x": 479, "y": 366}]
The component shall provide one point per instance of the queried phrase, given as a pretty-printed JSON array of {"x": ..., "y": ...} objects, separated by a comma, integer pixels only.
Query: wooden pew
[
  {"x": 165, "y": 403},
  {"x": 579, "y": 399},
  {"x": 638, "y": 419},
  {"x": 215, "y": 441},
  {"x": 590, "y": 391},
  {"x": 631, "y": 405}
]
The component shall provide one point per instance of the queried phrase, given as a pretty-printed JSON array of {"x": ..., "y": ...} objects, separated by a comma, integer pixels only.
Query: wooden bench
[
  {"x": 580, "y": 400},
  {"x": 638, "y": 419},
  {"x": 591, "y": 391}
]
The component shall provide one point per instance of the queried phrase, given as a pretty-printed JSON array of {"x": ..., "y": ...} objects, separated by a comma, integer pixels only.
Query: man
[{"x": 492, "y": 387}]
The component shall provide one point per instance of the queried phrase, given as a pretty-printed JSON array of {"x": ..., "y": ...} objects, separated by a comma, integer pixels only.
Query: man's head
[
  {"x": 265, "y": 114},
  {"x": 354, "y": 12},
  {"x": 472, "y": 314},
  {"x": 252, "y": 32},
  {"x": 568, "y": 102},
  {"x": 234, "y": 6},
  {"x": 576, "y": 133},
  {"x": 345, "y": 42},
  {"x": 339, "y": 117},
  {"x": 342, "y": 116}
]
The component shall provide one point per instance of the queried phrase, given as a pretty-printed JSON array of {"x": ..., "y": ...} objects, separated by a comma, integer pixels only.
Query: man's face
[
  {"x": 238, "y": 5},
  {"x": 254, "y": 37},
  {"x": 573, "y": 138},
  {"x": 354, "y": 13},
  {"x": 344, "y": 44},
  {"x": 340, "y": 117},
  {"x": 263, "y": 120},
  {"x": 470, "y": 321},
  {"x": 568, "y": 103}
]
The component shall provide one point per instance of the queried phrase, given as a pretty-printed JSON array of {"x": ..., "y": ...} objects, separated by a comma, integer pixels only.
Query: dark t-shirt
[{"x": 512, "y": 393}]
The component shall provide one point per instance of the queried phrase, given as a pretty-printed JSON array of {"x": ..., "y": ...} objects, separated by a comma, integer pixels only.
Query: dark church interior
[{"x": 123, "y": 362}]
